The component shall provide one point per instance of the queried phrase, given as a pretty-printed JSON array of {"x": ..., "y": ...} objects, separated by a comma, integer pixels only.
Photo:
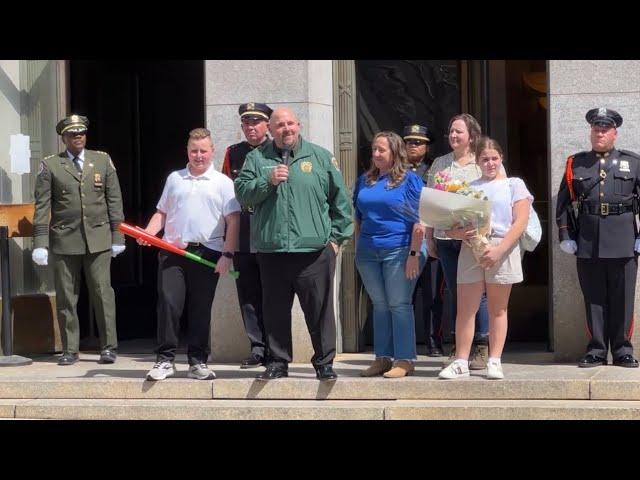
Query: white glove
[
  {"x": 117, "y": 250},
  {"x": 637, "y": 247},
  {"x": 570, "y": 246},
  {"x": 40, "y": 256}
]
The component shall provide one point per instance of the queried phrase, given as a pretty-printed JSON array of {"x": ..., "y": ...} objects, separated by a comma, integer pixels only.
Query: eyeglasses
[{"x": 416, "y": 142}]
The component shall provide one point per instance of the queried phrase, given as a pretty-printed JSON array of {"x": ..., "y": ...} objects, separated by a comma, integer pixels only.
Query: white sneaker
[
  {"x": 494, "y": 371},
  {"x": 454, "y": 370},
  {"x": 201, "y": 372},
  {"x": 161, "y": 370}
]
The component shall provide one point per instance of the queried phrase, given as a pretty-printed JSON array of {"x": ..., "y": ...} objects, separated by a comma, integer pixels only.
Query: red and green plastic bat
[{"x": 137, "y": 232}]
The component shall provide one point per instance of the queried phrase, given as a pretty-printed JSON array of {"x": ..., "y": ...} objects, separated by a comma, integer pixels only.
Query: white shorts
[{"x": 505, "y": 272}]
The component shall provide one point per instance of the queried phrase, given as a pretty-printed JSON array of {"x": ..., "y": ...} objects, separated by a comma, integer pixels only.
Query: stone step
[
  {"x": 162, "y": 409},
  {"x": 526, "y": 379}
]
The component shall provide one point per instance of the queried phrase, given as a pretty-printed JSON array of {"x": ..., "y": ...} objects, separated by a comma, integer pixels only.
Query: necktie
[{"x": 76, "y": 162}]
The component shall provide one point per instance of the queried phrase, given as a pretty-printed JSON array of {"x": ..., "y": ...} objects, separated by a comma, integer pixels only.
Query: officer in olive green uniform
[{"x": 79, "y": 188}]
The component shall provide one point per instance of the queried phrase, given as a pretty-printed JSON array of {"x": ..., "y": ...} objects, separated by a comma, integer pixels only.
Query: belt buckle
[{"x": 604, "y": 209}]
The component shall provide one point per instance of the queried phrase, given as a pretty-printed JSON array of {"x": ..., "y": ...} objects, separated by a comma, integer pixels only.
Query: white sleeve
[
  {"x": 164, "y": 198},
  {"x": 229, "y": 201},
  {"x": 519, "y": 190}
]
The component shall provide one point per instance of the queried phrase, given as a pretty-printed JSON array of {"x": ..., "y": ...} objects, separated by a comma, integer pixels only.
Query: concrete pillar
[
  {"x": 306, "y": 87},
  {"x": 575, "y": 87}
]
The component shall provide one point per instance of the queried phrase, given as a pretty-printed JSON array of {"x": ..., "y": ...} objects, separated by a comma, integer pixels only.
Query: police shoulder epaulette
[
  {"x": 50, "y": 156},
  {"x": 101, "y": 152},
  {"x": 630, "y": 153}
]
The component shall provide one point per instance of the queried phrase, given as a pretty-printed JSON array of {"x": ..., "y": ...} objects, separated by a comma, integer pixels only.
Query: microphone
[{"x": 286, "y": 154}]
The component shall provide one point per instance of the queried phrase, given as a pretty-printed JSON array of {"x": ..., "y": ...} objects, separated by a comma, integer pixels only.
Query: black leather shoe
[
  {"x": 325, "y": 372},
  {"x": 68, "y": 358},
  {"x": 626, "y": 361},
  {"x": 107, "y": 356},
  {"x": 252, "y": 361},
  {"x": 272, "y": 372},
  {"x": 434, "y": 352},
  {"x": 589, "y": 361}
]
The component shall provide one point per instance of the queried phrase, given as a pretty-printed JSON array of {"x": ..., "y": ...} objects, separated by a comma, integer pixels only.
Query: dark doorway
[
  {"x": 392, "y": 94},
  {"x": 509, "y": 98},
  {"x": 140, "y": 113}
]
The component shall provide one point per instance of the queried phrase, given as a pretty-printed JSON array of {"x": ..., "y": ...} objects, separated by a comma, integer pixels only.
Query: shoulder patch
[
  {"x": 41, "y": 167},
  {"x": 334, "y": 162}
]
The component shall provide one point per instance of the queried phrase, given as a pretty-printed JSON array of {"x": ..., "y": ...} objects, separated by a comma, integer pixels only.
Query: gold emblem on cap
[
  {"x": 306, "y": 167},
  {"x": 75, "y": 118},
  {"x": 415, "y": 128},
  {"x": 602, "y": 112},
  {"x": 251, "y": 106}
]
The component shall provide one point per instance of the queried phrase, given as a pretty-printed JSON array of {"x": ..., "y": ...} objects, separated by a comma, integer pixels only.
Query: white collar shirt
[
  {"x": 195, "y": 207},
  {"x": 80, "y": 158}
]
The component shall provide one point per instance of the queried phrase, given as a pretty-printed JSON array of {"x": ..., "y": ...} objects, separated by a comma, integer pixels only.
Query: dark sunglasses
[{"x": 416, "y": 142}]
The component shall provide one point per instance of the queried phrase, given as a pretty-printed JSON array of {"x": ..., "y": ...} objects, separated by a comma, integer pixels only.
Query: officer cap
[
  {"x": 416, "y": 132},
  {"x": 72, "y": 123},
  {"x": 260, "y": 111},
  {"x": 604, "y": 116}
]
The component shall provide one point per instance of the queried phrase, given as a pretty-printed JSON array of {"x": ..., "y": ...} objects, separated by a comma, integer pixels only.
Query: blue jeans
[
  {"x": 448, "y": 252},
  {"x": 383, "y": 274}
]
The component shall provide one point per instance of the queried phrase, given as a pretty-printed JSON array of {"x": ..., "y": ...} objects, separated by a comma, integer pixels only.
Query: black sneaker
[
  {"x": 68, "y": 358},
  {"x": 252, "y": 361}
]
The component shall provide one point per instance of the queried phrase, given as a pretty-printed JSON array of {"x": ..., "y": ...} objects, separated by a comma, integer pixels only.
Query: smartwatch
[
  {"x": 413, "y": 253},
  {"x": 227, "y": 254}
]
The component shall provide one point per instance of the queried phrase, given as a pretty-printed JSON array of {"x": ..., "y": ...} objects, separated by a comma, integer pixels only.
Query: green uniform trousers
[{"x": 97, "y": 271}]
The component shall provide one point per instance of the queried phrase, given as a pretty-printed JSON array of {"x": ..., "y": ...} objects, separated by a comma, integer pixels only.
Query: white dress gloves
[
  {"x": 117, "y": 250},
  {"x": 571, "y": 247},
  {"x": 40, "y": 256}
]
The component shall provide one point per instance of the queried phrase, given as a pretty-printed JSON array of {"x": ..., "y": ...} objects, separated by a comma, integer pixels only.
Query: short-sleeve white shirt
[
  {"x": 195, "y": 207},
  {"x": 503, "y": 194}
]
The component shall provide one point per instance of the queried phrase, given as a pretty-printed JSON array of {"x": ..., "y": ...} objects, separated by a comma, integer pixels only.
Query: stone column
[
  {"x": 575, "y": 87},
  {"x": 302, "y": 85}
]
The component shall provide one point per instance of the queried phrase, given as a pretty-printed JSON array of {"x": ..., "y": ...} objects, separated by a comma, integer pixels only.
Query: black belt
[
  {"x": 605, "y": 209},
  {"x": 195, "y": 244}
]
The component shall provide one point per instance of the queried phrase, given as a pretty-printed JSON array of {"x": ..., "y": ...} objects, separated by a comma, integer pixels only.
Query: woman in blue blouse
[{"x": 388, "y": 252}]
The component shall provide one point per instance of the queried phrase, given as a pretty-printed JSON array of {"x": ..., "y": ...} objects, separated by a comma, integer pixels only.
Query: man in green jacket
[
  {"x": 302, "y": 214},
  {"x": 79, "y": 189}
]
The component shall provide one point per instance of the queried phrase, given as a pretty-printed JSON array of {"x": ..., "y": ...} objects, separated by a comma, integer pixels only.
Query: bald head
[{"x": 284, "y": 127}]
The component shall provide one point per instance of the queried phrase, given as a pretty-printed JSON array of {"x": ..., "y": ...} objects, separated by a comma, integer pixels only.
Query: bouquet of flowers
[{"x": 453, "y": 203}]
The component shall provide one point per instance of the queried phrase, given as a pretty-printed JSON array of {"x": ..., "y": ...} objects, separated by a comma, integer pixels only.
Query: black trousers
[
  {"x": 310, "y": 276},
  {"x": 249, "y": 289},
  {"x": 608, "y": 286},
  {"x": 182, "y": 281},
  {"x": 431, "y": 282}
]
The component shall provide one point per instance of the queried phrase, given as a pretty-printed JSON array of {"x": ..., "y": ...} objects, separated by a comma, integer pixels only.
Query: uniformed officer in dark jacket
[
  {"x": 254, "y": 121},
  {"x": 417, "y": 139},
  {"x": 597, "y": 203},
  {"x": 79, "y": 189}
]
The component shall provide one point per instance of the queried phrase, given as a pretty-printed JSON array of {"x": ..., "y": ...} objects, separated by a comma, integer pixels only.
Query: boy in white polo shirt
[{"x": 196, "y": 207}]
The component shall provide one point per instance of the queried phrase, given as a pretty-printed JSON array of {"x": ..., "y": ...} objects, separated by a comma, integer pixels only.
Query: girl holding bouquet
[
  {"x": 498, "y": 267},
  {"x": 459, "y": 166},
  {"x": 389, "y": 238}
]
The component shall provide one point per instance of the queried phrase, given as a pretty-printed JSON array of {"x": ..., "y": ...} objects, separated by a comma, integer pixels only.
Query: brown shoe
[
  {"x": 479, "y": 357},
  {"x": 400, "y": 369},
  {"x": 378, "y": 367}
]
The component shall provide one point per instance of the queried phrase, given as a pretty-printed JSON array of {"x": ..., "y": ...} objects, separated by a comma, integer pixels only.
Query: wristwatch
[
  {"x": 413, "y": 253},
  {"x": 227, "y": 254}
]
